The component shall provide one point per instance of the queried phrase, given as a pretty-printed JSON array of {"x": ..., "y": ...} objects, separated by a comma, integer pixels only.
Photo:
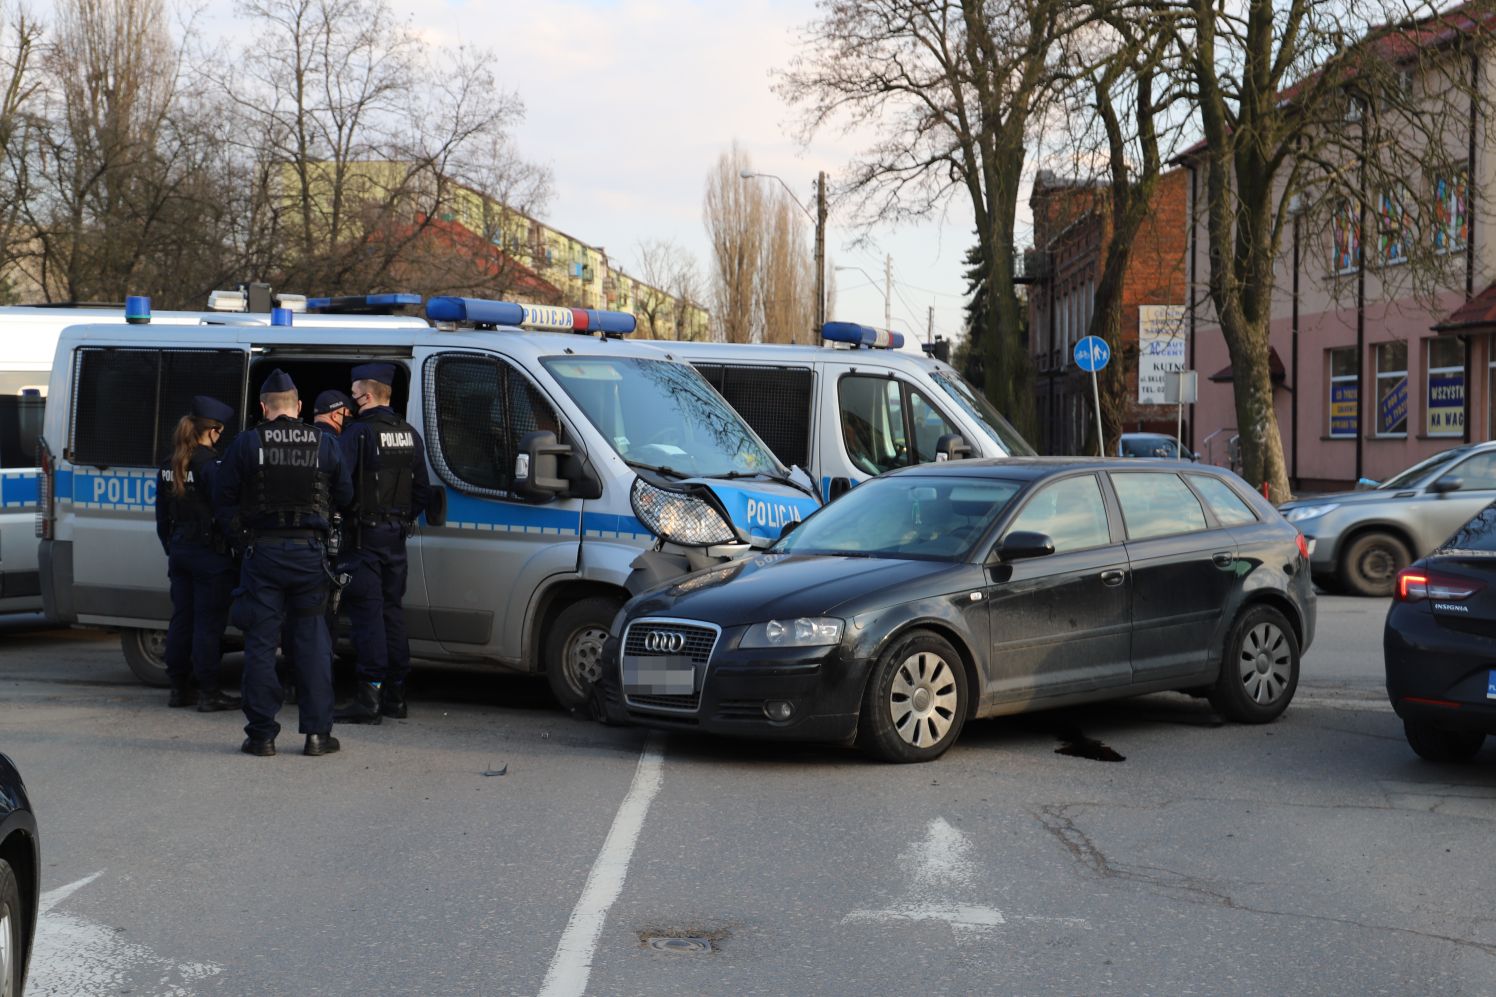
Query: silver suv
[{"x": 1360, "y": 540}]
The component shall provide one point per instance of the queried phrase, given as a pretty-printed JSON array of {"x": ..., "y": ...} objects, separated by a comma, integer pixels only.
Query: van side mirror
[
  {"x": 952, "y": 446},
  {"x": 537, "y": 474},
  {"x": 436, "y": 506},
  {"x": 1022, "y": 544},
  {"x": 788, "y": 528},
  {"x": 1446, "y": 485},
  {"x": 837, "y": 488}
]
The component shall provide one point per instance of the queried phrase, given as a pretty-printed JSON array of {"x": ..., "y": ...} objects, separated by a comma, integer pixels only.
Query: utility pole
[
  {"x": 820, "y": 255},
  {"x": 888, "y": 291},
  {"x": 930, "y": 328}
]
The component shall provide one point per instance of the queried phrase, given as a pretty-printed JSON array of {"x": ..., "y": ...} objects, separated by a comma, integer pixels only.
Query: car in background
[
  {"x": 20, "y": 880},
  {"x": 938, "y": 594},
  {"x": 1360, "y": 540},
  {"x": 1437, "y": 644},
  {"x": 1153, "y": 445}
]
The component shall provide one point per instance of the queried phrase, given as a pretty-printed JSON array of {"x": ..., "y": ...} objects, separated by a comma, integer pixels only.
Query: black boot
[
  {"x": 264, "y": 749},
  {"x": 216, "y": 701},
  {"x": 363, "y": 708},
  {"x": 182, "y": 695},
  {"x": 392, "y": 700},
  {"x": 320, "y": 744}
]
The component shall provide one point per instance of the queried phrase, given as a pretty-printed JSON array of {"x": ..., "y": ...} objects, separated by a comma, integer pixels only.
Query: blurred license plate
[
  {"x": 659, "y": 676},
  {"x": 1491, "y": 684}
]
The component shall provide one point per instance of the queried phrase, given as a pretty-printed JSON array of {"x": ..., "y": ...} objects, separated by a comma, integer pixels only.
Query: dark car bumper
[
  {"x": 1438, "y": 675},
  {"x": 823, "y": 688}
]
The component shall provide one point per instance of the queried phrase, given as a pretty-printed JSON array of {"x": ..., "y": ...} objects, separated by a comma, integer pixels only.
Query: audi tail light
[{"x": 1419, "y": 585}]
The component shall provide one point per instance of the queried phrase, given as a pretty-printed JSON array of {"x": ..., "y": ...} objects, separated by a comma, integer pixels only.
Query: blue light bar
[
  {"x": 364, "y": 303},
  {"x": 137, "y": 309},
  {"x": 543, "y": 318},
  {"x": 862, "y": 335},
  {"x": 280, "y": 316}
]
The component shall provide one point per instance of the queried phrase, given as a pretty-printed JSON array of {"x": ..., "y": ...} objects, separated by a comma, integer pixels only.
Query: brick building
[{"x": 1072, "y": 230}]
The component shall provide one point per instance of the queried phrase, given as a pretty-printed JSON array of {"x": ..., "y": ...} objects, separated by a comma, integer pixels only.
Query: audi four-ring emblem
[{"x": 665, "y": 642}]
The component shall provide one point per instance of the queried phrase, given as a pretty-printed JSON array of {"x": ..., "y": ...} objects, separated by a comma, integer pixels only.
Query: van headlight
[
  {"x": 678, "y": 517},
  {"x": 806, "y": 631},
  {"x": 1304, "y": 512}
]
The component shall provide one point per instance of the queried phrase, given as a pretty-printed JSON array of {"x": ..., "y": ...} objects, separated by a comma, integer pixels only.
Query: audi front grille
[{"x": 647, "y": 639}]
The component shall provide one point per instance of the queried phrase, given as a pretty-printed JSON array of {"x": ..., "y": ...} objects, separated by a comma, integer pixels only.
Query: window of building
[
  {"x": 1444, "y": 405},
  {"x": 130, "y": 400},
  {"x": 1345, "y": 392},
  {"x": 1345, "y": 233},
  {"x": 1070, "y": 512},
  {"x": 1451, "y": 212},
  {"x": 1392, "y": 388},
  {"x": 1394, "y": 224},
  {"x": 482, "y": 408},
  {"x": 1157, "y": 505}
]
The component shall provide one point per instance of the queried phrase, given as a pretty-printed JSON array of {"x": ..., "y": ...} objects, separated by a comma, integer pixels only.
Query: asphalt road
[{"x": 1313, "y": 855}]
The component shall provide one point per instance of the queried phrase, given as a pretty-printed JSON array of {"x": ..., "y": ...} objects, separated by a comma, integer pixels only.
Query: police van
[
  {"x": 855, "y": 407},
  {"x": 569, "y": 467}
]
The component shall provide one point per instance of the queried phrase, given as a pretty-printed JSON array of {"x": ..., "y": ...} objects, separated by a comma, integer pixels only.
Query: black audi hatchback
[
  {"x": 1439, "y": 644},
  {"x": 945, "y": 592},
  {"x": 20, "y": 871}
]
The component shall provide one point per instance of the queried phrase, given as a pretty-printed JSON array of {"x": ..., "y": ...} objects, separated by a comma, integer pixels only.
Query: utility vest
[
  {"x": 288, "y": 484},
  {"x": 386, "y": 468},
  {"x": 191, "y": 513}
]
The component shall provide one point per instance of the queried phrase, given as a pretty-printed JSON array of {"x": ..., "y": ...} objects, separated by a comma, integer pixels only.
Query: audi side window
[
  {"x": 1157, "y": 505},
  {"x": 1070, "y": 512},
  {"x": 1228, "y": 507}
]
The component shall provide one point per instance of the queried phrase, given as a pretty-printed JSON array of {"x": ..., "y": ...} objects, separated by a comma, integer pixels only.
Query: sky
[{"x": 630, "y": 102}]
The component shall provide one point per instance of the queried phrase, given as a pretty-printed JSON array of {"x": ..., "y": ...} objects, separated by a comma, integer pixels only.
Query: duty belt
[{"x": 304, "y": 534}]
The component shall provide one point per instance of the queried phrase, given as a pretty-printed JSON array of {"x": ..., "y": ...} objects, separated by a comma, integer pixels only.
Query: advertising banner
[
  {"x": 1446, "y": 404},
  {"x": 1392, "y": 408},
  {"x": 1161, "y": 350},
  {"x": 1344, "y": 399}
]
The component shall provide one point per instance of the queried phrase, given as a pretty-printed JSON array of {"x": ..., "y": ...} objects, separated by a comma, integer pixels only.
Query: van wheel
[
  {"x": 1371, "y": 564},
  {"x": 915, "y": 704},
  {"x": 574, "y": 648},
  {"x": 145, "y": 653}
]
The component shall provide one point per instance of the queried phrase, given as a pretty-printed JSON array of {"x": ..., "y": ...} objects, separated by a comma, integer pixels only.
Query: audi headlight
[
  {"x": 807, "y": 631},
  {"x": 1304, "y": 512},
  {"x": 679, "y": 518}
]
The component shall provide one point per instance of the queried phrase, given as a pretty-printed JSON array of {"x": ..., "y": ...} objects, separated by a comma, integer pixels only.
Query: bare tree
[
  {"x": 1332, "y": 108},
  {"x": 786, "y": 275},
  {"x": 953, "y": 90},
  {"x": 19, "y": 37},
  {"x": 734, "y": 215}
]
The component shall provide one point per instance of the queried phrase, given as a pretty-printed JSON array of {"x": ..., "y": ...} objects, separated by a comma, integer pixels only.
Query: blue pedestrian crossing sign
[{"x": 1092, "y": 353}]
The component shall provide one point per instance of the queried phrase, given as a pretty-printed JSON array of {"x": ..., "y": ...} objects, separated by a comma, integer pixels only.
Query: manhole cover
[{"x": 688, "y": 945}]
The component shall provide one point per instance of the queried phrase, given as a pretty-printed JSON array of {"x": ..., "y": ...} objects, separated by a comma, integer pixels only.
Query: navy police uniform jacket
[
  {"x": 188, "y": 518},
  {"x": 243, "y": 512},
  {"x": 388, "y": 459}
]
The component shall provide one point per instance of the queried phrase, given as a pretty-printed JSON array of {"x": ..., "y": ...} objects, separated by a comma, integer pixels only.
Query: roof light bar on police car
[
  {"x": 227, "y": 301},
  {"x": 862, "y": 335},
  {"x": 291, "y": 302},
  {"x": 482, "y": 313},
  {"x": 362, "y": 304}
]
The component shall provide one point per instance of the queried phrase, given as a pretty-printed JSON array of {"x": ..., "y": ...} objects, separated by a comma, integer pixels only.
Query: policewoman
[
  {"x": 278, "y": 486},
  {"x": 388, "y": 462},
  {"x": 198, "y": 562}
]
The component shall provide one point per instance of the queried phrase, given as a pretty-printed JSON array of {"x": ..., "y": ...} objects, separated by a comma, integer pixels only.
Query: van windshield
[
  {"x": 977, "y": 406},
  {"x": 662, "y": 415}
]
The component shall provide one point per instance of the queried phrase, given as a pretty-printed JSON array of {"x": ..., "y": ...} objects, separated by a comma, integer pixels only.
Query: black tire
[
  {"x": 12, "y": 919},
  {"x": 1259, "y": 667},
  {"x": 1435, "y": 745},
  {"x": 145, "y": 653},
  {"x": 1371, "y": 562},
  {"x": 918, "y": 726},
  {"x": 573, "y": 648}
]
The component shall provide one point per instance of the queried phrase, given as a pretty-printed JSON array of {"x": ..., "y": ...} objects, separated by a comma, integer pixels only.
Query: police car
[
  {"x": 856, "y": 406},
  {"x": 575, "y": 469}
]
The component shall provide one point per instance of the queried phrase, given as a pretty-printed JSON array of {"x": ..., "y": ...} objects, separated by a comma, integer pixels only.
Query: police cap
[
  {"x": 278, "y": 381},
  {"x": 205, "y": 407},
  {"x": 332, "y": 400},
  {"x": 384, "y": 373}
]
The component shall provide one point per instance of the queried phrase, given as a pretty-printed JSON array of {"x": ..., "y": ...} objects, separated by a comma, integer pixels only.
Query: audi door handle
[
  {"x": 1225, "y": 558},
  {"x": 1113, "y": 577}
]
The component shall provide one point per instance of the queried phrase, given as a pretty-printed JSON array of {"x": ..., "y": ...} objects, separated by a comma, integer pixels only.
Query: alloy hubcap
[
  {"x": 922, "y": 701},
  {"x": 1266, "y": 663},
  {"x": 1378, "y": 564},
  {"x": 585, "y": 660}
]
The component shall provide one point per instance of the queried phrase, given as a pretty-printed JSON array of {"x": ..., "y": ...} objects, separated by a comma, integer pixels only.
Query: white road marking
[
  {"x": 75, "y": 957},
  {"x": 572, "y": 964},
  {"x": 941, "y": 864}
]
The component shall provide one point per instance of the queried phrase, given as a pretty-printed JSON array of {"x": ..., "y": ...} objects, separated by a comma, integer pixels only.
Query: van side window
[
  {"x": 1157, "y": 505},
  {"x": 775, "y": 401},
  {"x": 929, "y": 426},
  {"x": 872, "y": 423},
  {"x": 481, "y": 408},
  {"x": 127, "y": 401},
  {"x": 20, "y": 428},
  {"x": 1070, "y": 512}
]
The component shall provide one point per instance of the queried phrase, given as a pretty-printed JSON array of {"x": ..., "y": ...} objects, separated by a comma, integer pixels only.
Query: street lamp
[{"x": 820, "y": 222}]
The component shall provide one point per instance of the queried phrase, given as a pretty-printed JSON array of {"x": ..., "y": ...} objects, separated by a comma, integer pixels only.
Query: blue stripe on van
[
  {"x": 20, "y": 489},
  {"x": 122, "y": 489}
]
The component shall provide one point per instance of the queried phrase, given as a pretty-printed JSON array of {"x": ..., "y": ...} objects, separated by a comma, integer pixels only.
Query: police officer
[
  {"x": 388, "y": 461},
  {"x": 330, "y": 412},
  {"x": 198, "y": 562},
  {"x": 277, "y": 488}
]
